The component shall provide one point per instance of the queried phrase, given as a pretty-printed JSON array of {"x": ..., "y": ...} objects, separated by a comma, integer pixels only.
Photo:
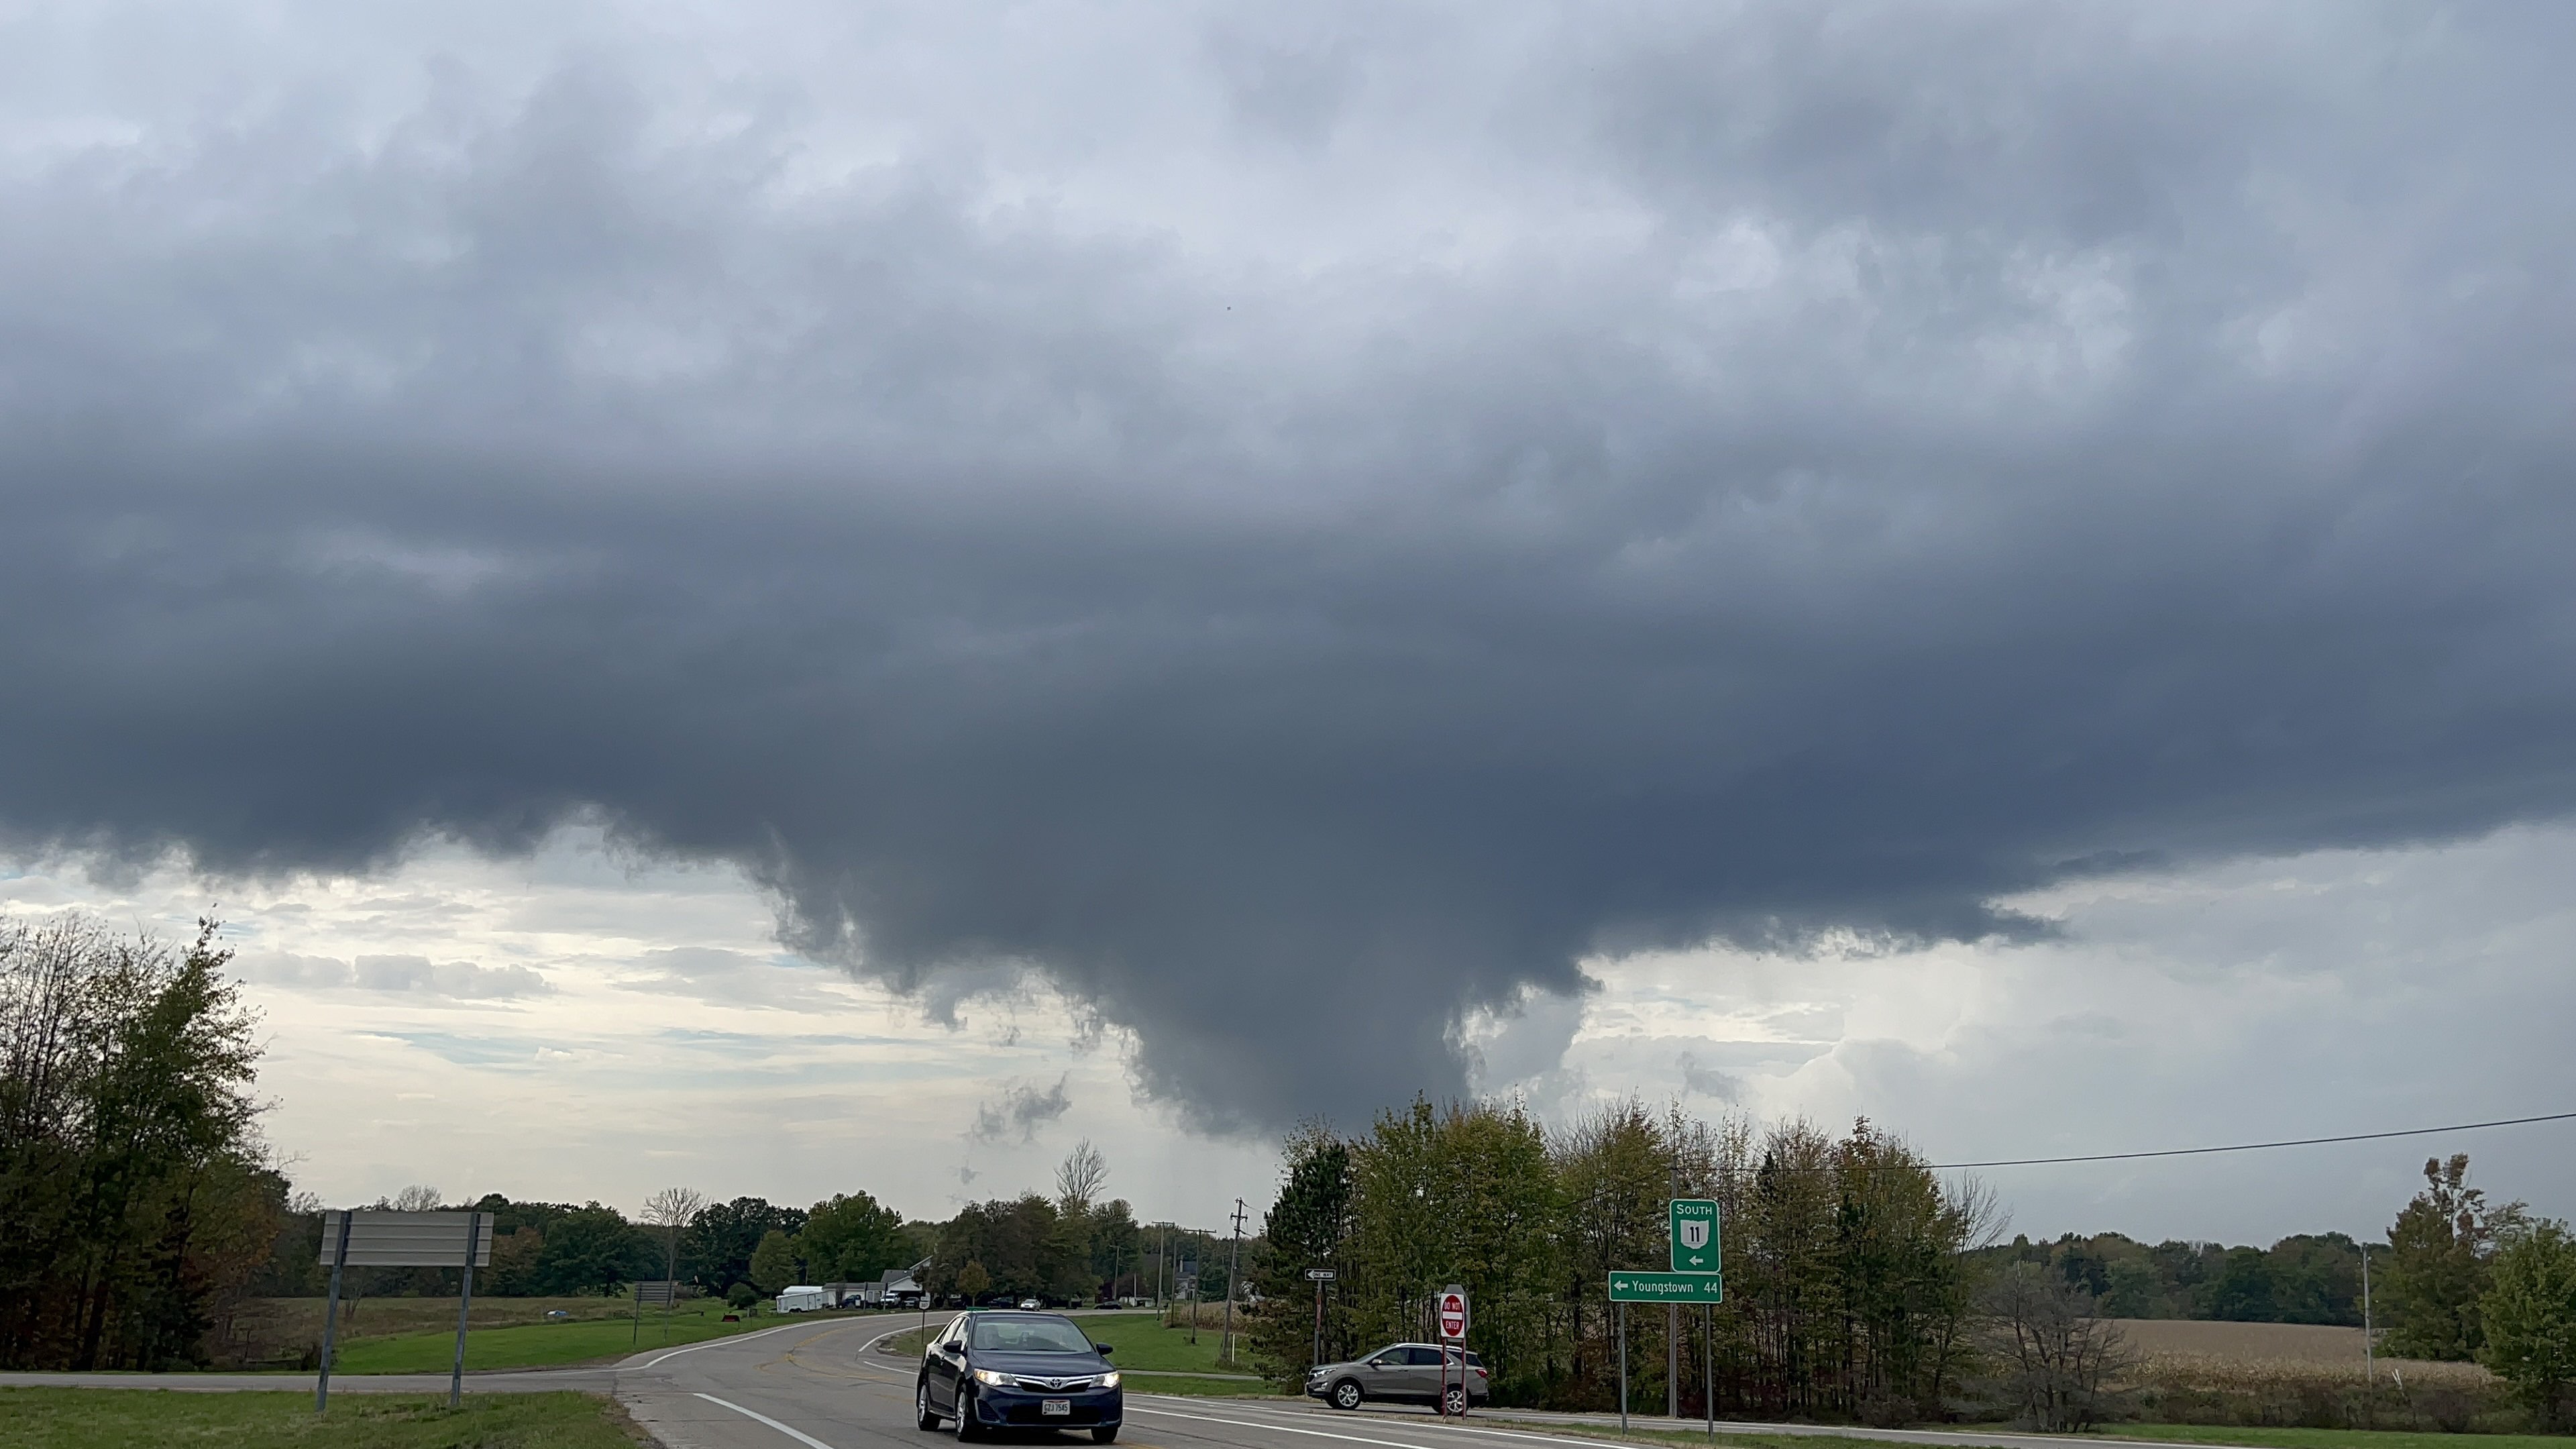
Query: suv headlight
[
  {"x": 1109, "y": 1380},
  {"x": 994, "y": 1377}
]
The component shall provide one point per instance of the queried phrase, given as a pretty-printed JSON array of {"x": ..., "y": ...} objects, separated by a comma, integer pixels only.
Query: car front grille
[{"x": 1052, "y": 1386}]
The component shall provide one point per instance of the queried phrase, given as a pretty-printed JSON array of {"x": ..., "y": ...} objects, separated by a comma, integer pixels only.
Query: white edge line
[{"x": 799, "y": 1435}]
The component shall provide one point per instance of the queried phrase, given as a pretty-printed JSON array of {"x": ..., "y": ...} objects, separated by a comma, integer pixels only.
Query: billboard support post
[
  {"x": 464, "y": 1306},
  {"x": 331, "y": 1318}
]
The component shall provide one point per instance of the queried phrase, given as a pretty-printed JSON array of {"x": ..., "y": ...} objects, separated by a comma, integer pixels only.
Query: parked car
[
  {"x": 1030, "y": 1305},
  {"x": 998, "y": 1369},
  {"x": 1403, "y": 1373}
]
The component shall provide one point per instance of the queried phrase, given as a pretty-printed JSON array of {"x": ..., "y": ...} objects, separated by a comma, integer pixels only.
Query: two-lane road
[{"x": 827, "y": 1387}]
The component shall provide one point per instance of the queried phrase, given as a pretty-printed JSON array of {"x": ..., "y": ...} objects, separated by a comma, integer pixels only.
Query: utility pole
[
  {"x": 2369, "y": 1358},
  {"x": 1233, "y": 1262}
]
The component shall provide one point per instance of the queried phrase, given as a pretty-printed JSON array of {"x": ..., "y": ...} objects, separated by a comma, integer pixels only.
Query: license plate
[{"x": 1056, "y": 1406}]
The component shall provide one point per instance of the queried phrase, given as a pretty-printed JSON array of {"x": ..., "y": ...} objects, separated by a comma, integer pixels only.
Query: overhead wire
[{"x": 2259, "y": 1146}]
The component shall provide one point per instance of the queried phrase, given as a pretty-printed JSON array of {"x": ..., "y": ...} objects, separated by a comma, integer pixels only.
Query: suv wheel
[
  {"x": 1453, "y": 1401},
  {"x": 922, "y": 1413},
  {"x": 1346, "y": 1394}
]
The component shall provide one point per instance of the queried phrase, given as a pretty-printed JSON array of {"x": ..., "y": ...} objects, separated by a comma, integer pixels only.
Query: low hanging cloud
[
  {"x": 1021, "y": 1112},
  {"x": 1378, "y": 512}
]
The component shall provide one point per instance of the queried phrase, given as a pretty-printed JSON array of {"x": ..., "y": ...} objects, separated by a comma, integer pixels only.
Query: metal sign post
[
  {"x": 1452, "y": 1306},
  {"x": 464, "y": 1306},
  {"x": 1623, "y": 1368},
  {"x": 339, "y": 1260},
  {"x": 402, "y": 1240},
  {"x": 1319, "y": 1277}
]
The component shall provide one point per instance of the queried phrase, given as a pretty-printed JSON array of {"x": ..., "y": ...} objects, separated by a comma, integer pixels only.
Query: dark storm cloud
[{"x": 1670, "y": 478}]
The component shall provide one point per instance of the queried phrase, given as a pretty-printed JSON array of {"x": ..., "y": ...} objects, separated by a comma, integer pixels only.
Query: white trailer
[{"x": 801, "y": 1298}]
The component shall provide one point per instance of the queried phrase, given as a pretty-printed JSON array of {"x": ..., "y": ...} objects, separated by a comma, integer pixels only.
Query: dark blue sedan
[{"x": 991, "y": 1371}]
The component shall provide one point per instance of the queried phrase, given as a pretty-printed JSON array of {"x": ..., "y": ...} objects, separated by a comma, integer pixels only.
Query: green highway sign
[
  {"x": 1694, "y": 1236},
  {"x": 1666, "y": 1288}
]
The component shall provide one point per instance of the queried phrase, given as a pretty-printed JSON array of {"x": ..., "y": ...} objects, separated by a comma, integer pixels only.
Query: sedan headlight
[
  {"x": 995, "y": 1378},
  {"x": 1109, "y": 1380}
]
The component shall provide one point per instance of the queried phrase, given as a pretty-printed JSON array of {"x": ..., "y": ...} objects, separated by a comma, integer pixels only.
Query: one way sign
[{"x": 1694, "y": 1235}]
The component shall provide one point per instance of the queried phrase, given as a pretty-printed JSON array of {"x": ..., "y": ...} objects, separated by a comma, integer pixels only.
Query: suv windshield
[{"x": 1029, "y": 1335}]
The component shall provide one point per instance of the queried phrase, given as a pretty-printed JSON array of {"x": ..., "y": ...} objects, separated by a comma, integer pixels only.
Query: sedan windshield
[{"x": 1030, "y": 1335}]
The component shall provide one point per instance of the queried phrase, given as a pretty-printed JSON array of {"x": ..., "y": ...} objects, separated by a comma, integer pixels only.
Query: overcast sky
[{"x": 802, "y": 596}]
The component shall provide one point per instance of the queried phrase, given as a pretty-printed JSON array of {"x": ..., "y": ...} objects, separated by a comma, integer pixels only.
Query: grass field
[
  {"x": 546, "y": 1345},
  {"x": 1142, "y": 1343},
  {"x": 121, "y": 1418}
]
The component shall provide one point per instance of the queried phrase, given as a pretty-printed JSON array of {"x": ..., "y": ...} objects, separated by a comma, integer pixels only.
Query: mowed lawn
[
  {"x": 1142, "y": 1343},
  {"x": 124, "y": 1418},
  {"x": 539, "y": 1345}
]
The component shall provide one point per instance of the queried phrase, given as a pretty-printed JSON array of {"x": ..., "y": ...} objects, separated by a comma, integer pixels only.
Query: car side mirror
[{"x": 1102, "y": 1349}]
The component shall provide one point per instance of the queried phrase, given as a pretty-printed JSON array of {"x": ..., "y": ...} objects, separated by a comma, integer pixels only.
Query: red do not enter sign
[{"x": 1453, "y": 1314}]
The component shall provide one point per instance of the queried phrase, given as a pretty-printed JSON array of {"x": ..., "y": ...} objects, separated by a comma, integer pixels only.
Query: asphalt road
[{"x": 824, "y": 1385}]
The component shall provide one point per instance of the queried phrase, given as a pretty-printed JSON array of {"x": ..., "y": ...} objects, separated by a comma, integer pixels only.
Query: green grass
[
  {"x": 1142, "y": 1343},
  {"x": 538, "y": 1345},
  {"x": 121, "y": 1418},
  {"x": 2328, "y": 1438}
]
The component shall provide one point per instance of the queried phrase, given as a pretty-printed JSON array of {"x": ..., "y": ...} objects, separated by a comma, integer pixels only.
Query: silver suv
[{"x": 1404, "y": 1373}]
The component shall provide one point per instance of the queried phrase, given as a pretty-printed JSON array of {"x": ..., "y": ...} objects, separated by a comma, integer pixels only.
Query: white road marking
[
  {"x": 1282, "y": 1428},
  {"x": 799, "y": 1435}
]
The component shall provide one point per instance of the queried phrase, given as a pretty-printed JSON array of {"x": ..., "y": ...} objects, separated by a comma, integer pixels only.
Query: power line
[{"x": 2259, "y": 1146}]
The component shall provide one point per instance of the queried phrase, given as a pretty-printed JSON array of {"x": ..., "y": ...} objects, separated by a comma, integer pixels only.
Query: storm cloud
[{"x": 1298, "y": 531}]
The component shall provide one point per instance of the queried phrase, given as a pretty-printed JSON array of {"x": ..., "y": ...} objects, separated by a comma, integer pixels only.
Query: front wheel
[
  {"x": 922, "y": 1414},
  {"x": 1346, "y": 1395},
  {"x": 1453, "y": 1402},
  {"x": 1105, "y": 1434},
  {"x": 968, "y": 1431}
]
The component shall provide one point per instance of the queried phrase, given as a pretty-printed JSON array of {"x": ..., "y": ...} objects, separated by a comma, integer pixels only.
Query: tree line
[{"x": 1849, "y": 1289}]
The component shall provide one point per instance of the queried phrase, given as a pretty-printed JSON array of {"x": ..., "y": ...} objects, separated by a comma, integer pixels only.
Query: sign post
[
  {"x": 402, "y": 1240},
  {"x": 339, "y": 1260},
  {"x": 1319, "y": 1277},
  {"x": 1452, "y": 1306}
]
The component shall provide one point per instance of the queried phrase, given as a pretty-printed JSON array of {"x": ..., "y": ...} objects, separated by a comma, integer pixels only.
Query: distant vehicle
[
  {"x": 802, "y": 1298},
  {"x": 999, "y": 1369},
  {"x": 1403, "y": 1373},
  {"x": 557, "y": 1315},
  {"x": 1030, "y": 1305}
]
